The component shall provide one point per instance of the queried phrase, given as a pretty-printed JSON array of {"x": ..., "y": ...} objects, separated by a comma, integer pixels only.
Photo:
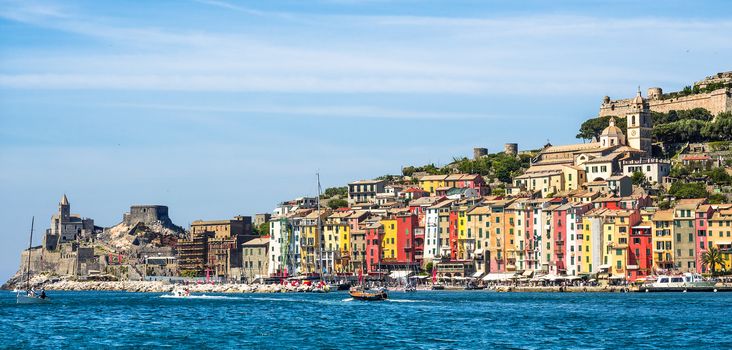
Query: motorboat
[
  {"x": 180, "y": 293},
  {"x": 686, "y": 280},
  {"x": 368, "y": 294}
]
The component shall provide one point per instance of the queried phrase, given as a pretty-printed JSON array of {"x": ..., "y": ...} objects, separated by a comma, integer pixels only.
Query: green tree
[
  {"x": 720, "y": 129},
  {"x": 639, "y": 179},
  {"x": 717, "y": 198},
  {"x": 505, "y": 167},
  {"x": 719, "y": 176},
  {"x": 263, "y": 229},
  {"x": 337, "y": 203},
  {"x": 335, "y": 191},
  {"x": 713, "y": 257},
  {"x": 688, "y": 190}
]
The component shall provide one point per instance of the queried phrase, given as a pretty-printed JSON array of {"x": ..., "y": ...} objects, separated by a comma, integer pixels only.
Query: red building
[
  {"x": 374, "y": 235},
  {"x": 640, "y": 254},
  {"x": 558, "y": 263},
  {"x": 407, "y": 223},
  {"x": 453, "y": 234}
]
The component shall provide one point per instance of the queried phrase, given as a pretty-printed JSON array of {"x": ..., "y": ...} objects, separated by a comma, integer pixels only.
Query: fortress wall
[{"x": 716, "y": 102}]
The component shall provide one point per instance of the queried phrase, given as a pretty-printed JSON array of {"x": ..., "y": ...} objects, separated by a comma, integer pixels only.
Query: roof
[
  {"x": 359, "y": 182},
  {"x": 638, "y": 99},
  {"x": 695, "y": 157},
  {"x": 612, "y": 130},
  {"x": 424, "y": 201},
  {"x": 570, "y": 148},
  {"x": 663, "y": 215},
  {"x": 257, "y": 241},
  {"x": 480, "y": 210},
  {"x": 64, "y": 200},
  {"x": 689, "y": 204},
  {"x": 442, "y": 204},
  {"x": 413, "y": 189},
  {"x": 433, "y": 178}
]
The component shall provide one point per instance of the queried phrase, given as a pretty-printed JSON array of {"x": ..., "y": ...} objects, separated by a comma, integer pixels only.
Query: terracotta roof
[{"x": 663, "y": 215}]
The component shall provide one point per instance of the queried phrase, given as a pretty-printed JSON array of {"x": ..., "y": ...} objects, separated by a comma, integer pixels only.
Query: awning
[
  {"x": 552, "y": 278},
  {"x": 477, "y": 274},
  {"x": 498, "y": 276},
  {"x": 617, "y": 277},
  {"x": 478, "y": 252},
  {"x": 633, "y": 267},
  {"x": 528, "y": 273},
  {"x": 400, "y": 274},
  {"x": 418, "y": 277},
  {"x": 604, "y": 267},
  {"x": 572, "y": 278}
]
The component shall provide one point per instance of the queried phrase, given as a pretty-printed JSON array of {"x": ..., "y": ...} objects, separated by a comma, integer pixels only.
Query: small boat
[
  {"x": 438, "y": 287},
  {"x": 410, "y": 288},
  {"x": 29, "y": 296},
  {"x": 179, "y": 293},
  {"x": 321, "y": 287},
  {"x": 368, "y": 295}
]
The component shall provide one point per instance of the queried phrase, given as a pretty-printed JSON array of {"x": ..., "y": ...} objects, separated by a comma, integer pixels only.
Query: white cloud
[{"x": 548, "y": 54}]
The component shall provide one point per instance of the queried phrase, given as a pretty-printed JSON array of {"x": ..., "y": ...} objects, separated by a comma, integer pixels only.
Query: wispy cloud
[
  {"x": 393, "y": 54},
  {"x": 329, "y": 111}
]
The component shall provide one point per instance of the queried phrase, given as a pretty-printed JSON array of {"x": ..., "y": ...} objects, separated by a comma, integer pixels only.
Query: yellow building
[
  {"x": 389, "y": 242},
  {"x": 430, "y": 183},
  {"x": 312, "y": 249},
  {"x": 662, "y": 239},
  {"x": 550, "y": 179},
  {"x": 616, "y": 230},
  {"x": 719, "y": 235},
  {"x": 465, "y": 247},
  {"x": 336, "y": 232}
]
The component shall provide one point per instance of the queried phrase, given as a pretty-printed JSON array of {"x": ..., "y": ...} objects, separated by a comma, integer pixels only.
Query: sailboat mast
[
  {"x": 30, "y": 244},
  {"x": 317, "y": 231}
]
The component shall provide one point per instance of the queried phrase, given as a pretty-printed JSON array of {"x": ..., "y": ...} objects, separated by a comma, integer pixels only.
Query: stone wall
[
  {"x": 716, "y": 102},
  {"x": 147, "y": 214}
]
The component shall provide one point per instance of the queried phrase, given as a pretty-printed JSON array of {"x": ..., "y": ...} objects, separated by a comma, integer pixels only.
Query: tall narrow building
[{"x": 640, "y": 124}]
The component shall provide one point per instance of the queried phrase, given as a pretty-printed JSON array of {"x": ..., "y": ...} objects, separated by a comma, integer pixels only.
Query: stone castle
[{"x": 716, "y": 101}]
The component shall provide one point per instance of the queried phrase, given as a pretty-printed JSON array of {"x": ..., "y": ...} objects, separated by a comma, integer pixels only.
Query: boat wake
[
  {"x": 347, "y": 299},
  {"x": 405, "y": 301},
  {"x": 208, "y": 297}
]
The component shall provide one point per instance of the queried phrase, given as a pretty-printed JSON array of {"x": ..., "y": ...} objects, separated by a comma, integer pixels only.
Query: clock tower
[{"x": 639, "y": 124}]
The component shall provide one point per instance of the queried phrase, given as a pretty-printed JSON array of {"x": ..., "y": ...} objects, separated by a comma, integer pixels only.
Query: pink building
[{"x": 703, "y": 214}]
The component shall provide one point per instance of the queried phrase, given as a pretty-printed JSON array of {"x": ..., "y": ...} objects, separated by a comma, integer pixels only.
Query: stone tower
[
  {"x": 64, "y": 209},
  {"x": 639, "y": 125}
]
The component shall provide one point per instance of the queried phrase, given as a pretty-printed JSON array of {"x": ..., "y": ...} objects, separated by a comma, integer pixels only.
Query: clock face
[{"x": 633, "y": 132}]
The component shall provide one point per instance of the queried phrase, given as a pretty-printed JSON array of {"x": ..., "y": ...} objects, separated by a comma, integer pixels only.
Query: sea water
[{"x": 422, "y": 320}]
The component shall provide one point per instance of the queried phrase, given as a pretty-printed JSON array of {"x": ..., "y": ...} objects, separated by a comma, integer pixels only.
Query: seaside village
[{"x": 574, "y": 216}]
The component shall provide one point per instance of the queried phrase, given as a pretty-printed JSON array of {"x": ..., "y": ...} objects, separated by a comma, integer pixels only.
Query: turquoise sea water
[{"x": 422, "y": 320}]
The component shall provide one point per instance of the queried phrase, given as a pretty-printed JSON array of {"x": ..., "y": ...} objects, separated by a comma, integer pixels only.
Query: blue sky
[{"x": 217, "y": 108}]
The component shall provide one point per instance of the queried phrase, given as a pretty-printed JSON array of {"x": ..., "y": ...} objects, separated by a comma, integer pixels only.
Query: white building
[
  {"x": 432, "y": 237},
  {"x": 653, "y": 169}
]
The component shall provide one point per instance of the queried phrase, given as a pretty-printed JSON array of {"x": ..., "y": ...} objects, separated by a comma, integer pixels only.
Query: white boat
[
  {"x": 180, "y": 293},
  {"x": 687, "y": 280},
  {"x": 29, "y": 296}
]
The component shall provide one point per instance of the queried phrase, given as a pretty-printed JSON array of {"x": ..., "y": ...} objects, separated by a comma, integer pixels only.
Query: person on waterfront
[{"x": 43, "y": 293}]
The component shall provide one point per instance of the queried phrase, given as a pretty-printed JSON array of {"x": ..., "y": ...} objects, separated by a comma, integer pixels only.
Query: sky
[{"x": 218, "y": 108}]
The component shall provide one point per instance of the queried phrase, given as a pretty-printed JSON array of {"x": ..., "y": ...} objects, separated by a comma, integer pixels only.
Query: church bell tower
[{"x": 640, "y": 124}]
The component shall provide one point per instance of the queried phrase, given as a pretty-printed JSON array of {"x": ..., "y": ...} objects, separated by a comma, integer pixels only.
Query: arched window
[{"x": 633, "y": 121}]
